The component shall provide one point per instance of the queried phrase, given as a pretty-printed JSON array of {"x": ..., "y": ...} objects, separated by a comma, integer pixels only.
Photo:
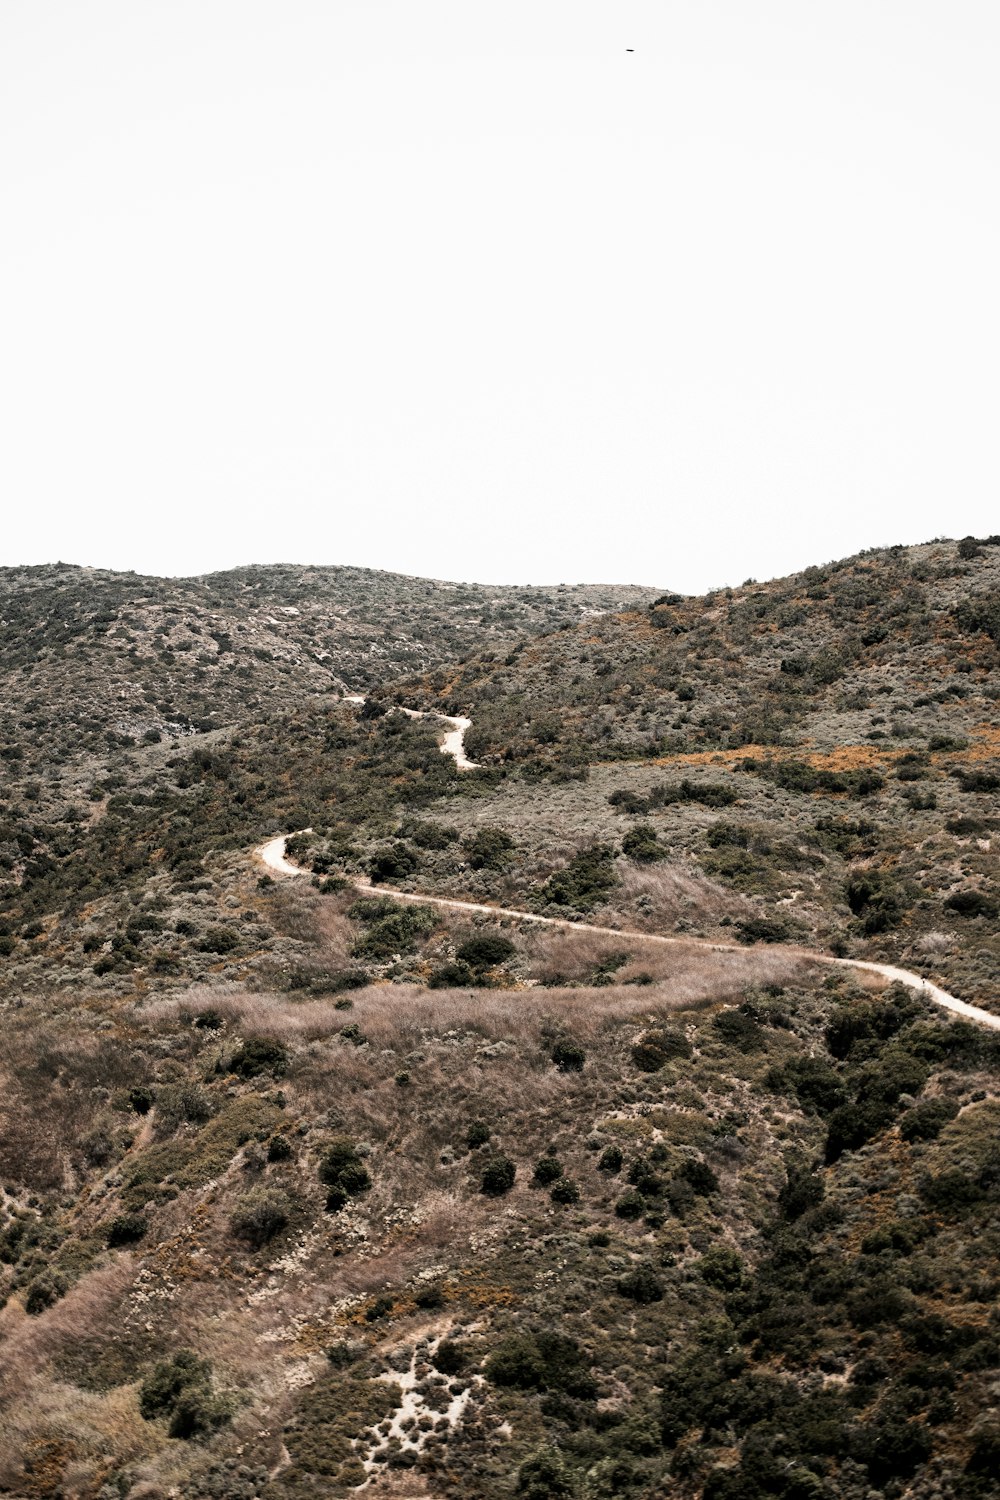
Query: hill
[
  {"x": 310, "y": 1190},
  {"x": 825, "y": 748},
  {"x": 91, "y": 658}
]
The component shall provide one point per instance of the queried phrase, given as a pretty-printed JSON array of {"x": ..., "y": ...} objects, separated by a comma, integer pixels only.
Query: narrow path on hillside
[{"x": 272, "y": 854}]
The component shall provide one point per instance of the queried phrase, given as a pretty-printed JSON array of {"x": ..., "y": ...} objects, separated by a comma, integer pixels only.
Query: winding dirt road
[{"x": 272, "y": 854}]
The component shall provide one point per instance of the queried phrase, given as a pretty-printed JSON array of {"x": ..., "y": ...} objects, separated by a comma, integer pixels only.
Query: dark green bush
[
  {"x": 257, "y": 1055},
  {"x": 722, "y": 1268},
  {"x": 279, "y": 1148},
  {"x": 498, "y": 1176},
  {"x": 260, "y": 1215},
  {"x": 395, "y": 862},
  {"x": 814, "y": 1083},
  {"x": 642, "y": 844},
  {"x": 450, "y": 1357},
  {"x": 611, "y": 1159},
  {"x": 631, "y": 1205},
  {"x": 971, "y": 903},
  {"x": 489, "y": 849},
  {"x": 654, "y": 1049},
  {"x": 641, "y": 1284},
  {"x": 394, "y": 931},
  {"x": 544, "y": 1476},
  {"x": 876, "y": 899},
  {"x": 699, "y": 1176},
  {"x": 125, "y": 1229},
  {"x": 541, "y": 1361},
  {"x": 568, "y": 1056},
  {"x": 853, "y": 1125},
  {"x": 740, "y": 1029},
  {"x": 565, "y": 1191},
  {"x": 343, "y": 1172},
  {"x": 587, "y": 879},
  {"x": 219, "y": 940},
  {"x": 180, "y": 1390},
  {"x": 42, "y": 1292},
  {"x": 926, "y": 1121},
  {"x": 762, "y": 930},
  {"x": 547, "y": 1170},
  {"x": 801, "y": 1192},
  {"x": 453, "y": 977},
  {"x": 485, "y": 951},
  {"x": 477, "y": 1134}
]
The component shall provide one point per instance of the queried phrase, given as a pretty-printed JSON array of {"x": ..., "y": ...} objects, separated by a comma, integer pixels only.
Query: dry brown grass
[
  {"x": 395, "y": 1015},
  {"x": 659, "y": 896}
]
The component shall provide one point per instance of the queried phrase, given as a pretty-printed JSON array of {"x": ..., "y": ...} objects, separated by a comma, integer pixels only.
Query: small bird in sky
[{"x": 629, "y": 49}]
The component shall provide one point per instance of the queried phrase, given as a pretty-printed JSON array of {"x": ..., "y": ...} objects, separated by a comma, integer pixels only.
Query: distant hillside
[
  {"x": 826, "y": 746},
  {"x": 887, "y": 645},
  {"x": 87, "y": 655}
]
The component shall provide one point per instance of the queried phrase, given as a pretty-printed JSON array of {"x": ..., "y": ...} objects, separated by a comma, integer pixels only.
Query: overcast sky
[{"x": 471, "y": 290}]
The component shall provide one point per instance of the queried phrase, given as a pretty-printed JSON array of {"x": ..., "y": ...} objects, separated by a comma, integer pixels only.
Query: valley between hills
[{"x": 576, "y": 1112}]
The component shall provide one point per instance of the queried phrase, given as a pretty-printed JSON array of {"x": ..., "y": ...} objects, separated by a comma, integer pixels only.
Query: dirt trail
[
  {"x": 453, "y": 743},
  {"x": 272, "y": 854}
]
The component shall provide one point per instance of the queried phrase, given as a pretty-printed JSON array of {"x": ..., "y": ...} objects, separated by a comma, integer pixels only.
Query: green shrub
[
  {"x": 977, "y": 781},
  {"x": 971, "y": 903},
  {"x": 258, "y": 1055},
  {"x": 876, "y": 899},
  {"x": 542, "y": 1361},
  {"x": 219, "y": 940},
  {"x": 180, "y": 1390},
  {"x": 547, "y": 1170},
  {"x": 477, "y": 1134},
  {"x": 568, "y": 1056},
  {"x": 722, "y": 1268},
  {"x": 740, "y": 1029},
  {"x": 631, "y": 1205},
  {"x": 852, "y": 1126},
  {"x": 611, "y": 1159},
  {"x": 802, "y": 1191},
  {"x": 450, "y": 1357},
  {"x": 641, "y": 1284},
  {"x": 485, "y": 951},
  {"x": 395, "y": 932},
  {"x": 343, "y": 1172},
  {"x": 544, "y": 1476},
  {"x": 260, "y": 1215},
  {"x": 125, "y": 1229},
  {"x": 42, "y": 1292},
  {"x": 565, "y": 1191},
  {"x": 762, "y": 930},
  {"x": 279, "y": 1148},
  {"x": 498, "y": 1176},
  {"x": 587, "y": 879},
  {"x": 816, "y": 1085},
  {"x": 489, "y": 849},
  {"x": 452, "y": 977},
  {"x": 428, "y": 835},
  {"x": 395, "y": 862},
  {"x": 642, "y": 844},
  {"x": 699, "y": 1177},
  {"x": 654, "y": 1049},
  {"x": 926, "y": 1121}
]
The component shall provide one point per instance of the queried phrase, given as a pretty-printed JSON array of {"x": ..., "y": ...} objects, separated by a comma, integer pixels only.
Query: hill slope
[{"x": 307, "y": 1192}]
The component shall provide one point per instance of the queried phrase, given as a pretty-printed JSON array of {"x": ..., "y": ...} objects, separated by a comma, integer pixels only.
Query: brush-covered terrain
[{"x": 306, "y": 1190}]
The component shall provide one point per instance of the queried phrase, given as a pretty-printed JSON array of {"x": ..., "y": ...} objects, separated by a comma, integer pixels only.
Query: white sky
[{"x": 467, "y": 290}]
